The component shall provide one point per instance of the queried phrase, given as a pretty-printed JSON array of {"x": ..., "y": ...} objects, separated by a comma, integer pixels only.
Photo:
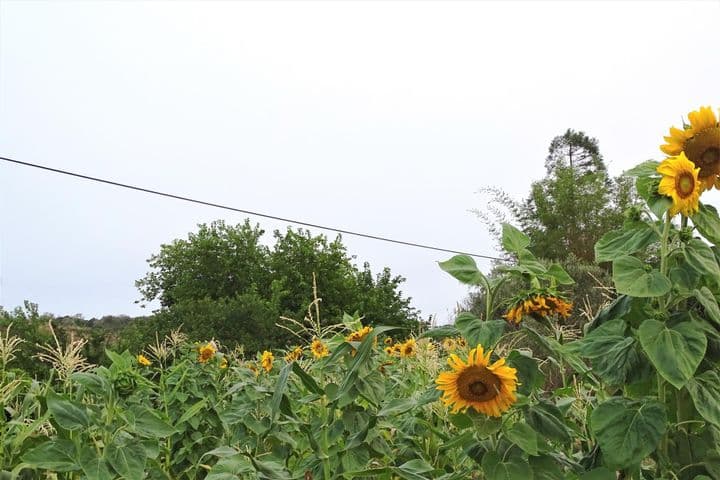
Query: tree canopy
[{"x": 222, "y": 280}]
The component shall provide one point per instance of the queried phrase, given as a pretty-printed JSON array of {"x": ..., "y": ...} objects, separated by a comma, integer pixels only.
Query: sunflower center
[
  {"x": 704, "y": 151},
  {"x": 685, "y": 184},
  {"x": 478, "y": 384}
]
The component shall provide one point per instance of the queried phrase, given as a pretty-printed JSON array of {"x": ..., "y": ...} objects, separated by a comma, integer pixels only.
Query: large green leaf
[
  {"x": 675, "y": 351},
  {"x": 628, "y": 431},
  {"x": 478, "y": 332},
  {"x": 705, "y": 392},
  {"x": 514, "y": 240},
  {"x": 709, "y": 303},
  {"x": 441, "y": 332},
  {"x": 280, "y": 387},
  {"x": 128, "y": 460},
  {"x": 528, "y": 372},
  {"x": 55, "y": 455},
  {"x": 707, "y": 222},
  {"x": 93, "y": 466},
  {"x": 464, "y": 268},
  {"x": 557, "y": 272},
  {"x": 626, "y": 241},
  {"x": 547, "y": 419},
  {"x": 632, "y": 278},
  {"x": 648, "y": 168},
  {"x": 68, "y": 414},
  {"x": 701, "y": 258},
  {"x": 495, "y": 467},
  {"x": 523, "y": 435},
  {"x": 546, "y": 467},
  {"x": 613, "y": 354},
  {"x": 306, "y": 379},
  {"x": 149, "y": 424}
]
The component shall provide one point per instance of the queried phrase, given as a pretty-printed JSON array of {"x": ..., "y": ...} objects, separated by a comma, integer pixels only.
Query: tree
[
  {"x": 221, "y": 281},
  {"x": 576, "y": 203}
]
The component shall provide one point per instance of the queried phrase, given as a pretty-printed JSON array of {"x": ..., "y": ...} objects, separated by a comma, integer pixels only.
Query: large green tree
[
  {"x": 222, "y": 281},
  {"x": 577, "y": 201}
]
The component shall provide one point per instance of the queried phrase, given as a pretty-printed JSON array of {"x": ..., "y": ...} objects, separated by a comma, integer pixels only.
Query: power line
[{"x": 240, "y": 210}]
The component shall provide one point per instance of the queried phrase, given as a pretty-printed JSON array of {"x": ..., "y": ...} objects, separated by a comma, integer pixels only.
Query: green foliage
[{"x": 223, "y": 279}]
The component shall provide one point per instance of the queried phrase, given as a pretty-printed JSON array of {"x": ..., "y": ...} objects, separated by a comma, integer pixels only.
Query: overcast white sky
[{"x": 382, "y": 117}]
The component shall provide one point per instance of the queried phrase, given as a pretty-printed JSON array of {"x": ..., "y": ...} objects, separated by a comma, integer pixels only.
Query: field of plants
[{"x": 635, "y": 395}]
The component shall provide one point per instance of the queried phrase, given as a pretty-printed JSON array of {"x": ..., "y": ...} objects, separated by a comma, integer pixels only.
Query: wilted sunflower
[
  {"x": 267, "y": 360},
  {"x": 538, "y": 306},
  {"x": 489, "y": 389},
  {"x": 143, "y": 360},
  {"x": 680, "y": 182},
  {"x": 408, "y": 348},
  {"x": 700, "y": 141},
  {"x": 294, "y": 354},
  {"x": 206, "y": 352},
  {"x": 319, "y": 349}
]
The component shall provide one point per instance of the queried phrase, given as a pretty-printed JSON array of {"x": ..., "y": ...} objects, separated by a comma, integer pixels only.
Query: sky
[{"x": 384, "y": 117}]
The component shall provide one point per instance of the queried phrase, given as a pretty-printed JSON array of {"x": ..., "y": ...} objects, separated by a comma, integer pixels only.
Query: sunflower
[
  {"x": 223, "y": 363},
  {"x": 538, "y": 306},
  {"x": 267, "y": 360},
  {"x": 388, "y": 341},
  {"x": 143, "y": 360},
  {"x": 359, "y": 335},
  {"x": 294, "y": 354},
  {"x": 319, "y": 349},
  {"x": 700, "y": 141},
  {"x": 680, "y": 182},
  {"x": 408, "y": 348},
  {"x": 206, "y": 352},
  {"x": 449, "y": 344},
  {"x": 489, "y": 389}
]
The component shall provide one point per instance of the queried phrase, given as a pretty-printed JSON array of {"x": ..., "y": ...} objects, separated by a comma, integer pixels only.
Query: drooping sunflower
[
  {"x": 538, "y": 306},
  {"x": 489, "y": 389},
  {"x": 294, "y": 354},
  {"x": 319, "y": 349},
  {"x": 700, "y": 141},
  {"x": 359, "y": 335},
  {"x": 143, "y": 360},
  {"x": 680, "y": 182},
  {"x": 267, "y": 360},
  {"x": 206, "y": 352}
]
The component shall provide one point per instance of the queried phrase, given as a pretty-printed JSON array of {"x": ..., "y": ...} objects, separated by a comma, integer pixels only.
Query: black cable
[{"x": 247, "y": 212}]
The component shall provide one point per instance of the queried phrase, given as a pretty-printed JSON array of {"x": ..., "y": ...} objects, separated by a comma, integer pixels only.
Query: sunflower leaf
[
  {"x": 628, "y": 431},
  {"x": 707, "y": 222},
  {"x": 514, "y": 240},
  {"x": 645, "y": 169},
  {"x": 613, "y": 354},
  {"x": 478, "y": 332},
  {"x": 675, "y": 351},
  {"x": 625, "y": 241},
  {"x": 705, "y": 392},
  {"x": 632, "y": 278},
  {"x": 463, "y": 268},
  {"x": 701, "y": 258}
]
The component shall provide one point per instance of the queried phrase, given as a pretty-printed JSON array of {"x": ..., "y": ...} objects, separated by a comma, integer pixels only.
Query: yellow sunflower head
[
  {"x": 206, "y": 352},
  {"x": 449, "y": 344},
  {"x": 700, "y": 142},
  {"x": 388, "y": 341},
  {"x": 680, "y": 182},
  {"x": 319, "y": 349},
  {"x": 143, "y": 360},
  {"x": 267, "y": 360},
  {"x": 223, "y": 363},
  {"x": 294, "y": 354},
  {"x": 489, "y": 389},
  {"x": 359, "y": 335},
  {"x": 408, "y": 348}
]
